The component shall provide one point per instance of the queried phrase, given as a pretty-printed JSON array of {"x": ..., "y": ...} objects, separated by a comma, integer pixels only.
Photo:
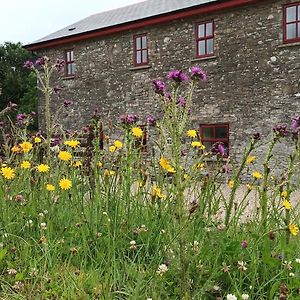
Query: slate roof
[{"x": 138, "y": 11}]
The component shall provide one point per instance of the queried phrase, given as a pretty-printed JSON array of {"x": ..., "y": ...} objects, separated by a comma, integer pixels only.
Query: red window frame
[
  {"x": 69, "y": 61},
  {"x": 205, "y": 38},
  {"x": 296, "y": 22},
  {"x": 214, "y": 139},
  {"x": 139, "y": 49}
]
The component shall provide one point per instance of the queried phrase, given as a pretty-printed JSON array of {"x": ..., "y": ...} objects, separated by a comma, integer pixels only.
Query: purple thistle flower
[
  {"x": 57, "y": 89},
  {"x": 168, "y": 97},
  {"x": 295, "y": 124},
  {"x": 150, "y": 120},
  {"x": 40, "y": 61},
  {"x": 178, "y": 76},
  {"x": 21, "y": 117},
  {"x": 280, "y": 130},
  {"x": 159, "y": 86},
  {"x": 67, "y": 103},
  {"x": 181, "y": 102},
  {"x": 59, "y": 65},
  {"x": 244, "y": 244},
  {"x": 28, "y": 65},
  {"x": 128, "y": 119},
  {"x": 198, "y": 73},
  {"x": 57, "y": 140},
  {"x": 219, "y": 149}
]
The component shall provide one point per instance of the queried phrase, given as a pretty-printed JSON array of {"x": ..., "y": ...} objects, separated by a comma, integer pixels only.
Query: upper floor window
[
  {"x": 205, "y": 39},
  {"x": 215, "y": 133},
  {"x": 141, "y": 50},
  {"x": 291, "y": 23},
  {"x": 70, "y": 64}
]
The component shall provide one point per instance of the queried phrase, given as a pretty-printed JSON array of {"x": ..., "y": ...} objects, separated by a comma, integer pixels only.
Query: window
[
  {"x": 211, "y": 134},
  {"x": 291, "y": 23},
  {"x": 141, "y": 50},
  {"x": 70, "y": 64},
  {"x": 205, "y": 39}
]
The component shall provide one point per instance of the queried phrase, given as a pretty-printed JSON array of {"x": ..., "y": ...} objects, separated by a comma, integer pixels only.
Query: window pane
[
  {"x": 138, "y": 57},
  {"x": 69, "y": 69},
  {"x": 201, "y": 48},
  {"x": 291, "y": 31},
  {"x": 298, "y": 30},
  {"x": 144, "y": 58},
  {"x": 201, "y": 30},
  {"x": 138, "y": 43},
  {"x": 68, "y": 56},
  {"x": 291, "y": 14},
  {"x": 221, "y": 133},
  {"x": 209, "y": 29},
  {"x": 144, "y": 42},
  {"x": 210, "y": 46},
  {"x": 298, "y": 13},
  {"x": 72, "y": 55},
  {"x": 208, "y": 133}
]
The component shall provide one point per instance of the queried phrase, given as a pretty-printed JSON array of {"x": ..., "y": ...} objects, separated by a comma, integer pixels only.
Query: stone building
[{"x": 249, "y": 48}]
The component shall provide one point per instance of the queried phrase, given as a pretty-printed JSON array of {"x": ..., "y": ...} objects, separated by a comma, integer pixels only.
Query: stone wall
[{"x": 253, "y": 78}]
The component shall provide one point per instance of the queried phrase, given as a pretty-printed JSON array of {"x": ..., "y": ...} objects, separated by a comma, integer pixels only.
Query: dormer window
[
  {"x": 70, "y": 64},
  {"x": 205, "y": 39},
  {"x": 291, "y": 23},
  {"x": 141, "y": 50}
]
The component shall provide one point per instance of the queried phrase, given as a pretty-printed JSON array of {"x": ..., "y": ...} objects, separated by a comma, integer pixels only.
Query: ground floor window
[{"x": 214, "y": 133}]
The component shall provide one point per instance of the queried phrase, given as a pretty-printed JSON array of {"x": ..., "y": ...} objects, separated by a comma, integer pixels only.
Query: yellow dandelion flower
[
  {"x": 16, "y": 149},
  {"x": 65, "y": 184},
  {"x": 287, "y": 204},
  {"x": 25, "y": 164},
  {"x": 165, "y": 164},
  {"x": 50, "y": 187},
  {"x": 77, "y": 164},
  {"x": 26, "y": 147},
  {"x": 37, "y": 140},
  {"x": 249, "y": 186},
  {"x": 231, "y": 183},
  {"x": 156, "y": 192},
  {"x": 250, "y": 159},
  {"x": 8, "y": 173},
  {"x": 43, "y": 168},
  {"x": 197, "y": 144},
  {"x": 192, "y": 133},
  {"x": 293, "y": 228},
  {"x": 64, "y": 155},
  {"x": 137, "y": 132},
  {"x": 109, "y": 173},
  {"x": 112, "y": 149},
  {"x": 99, "y": 164},
  {"x": 200, "y": 166},
  {"x": 186, "y": 176},
  {"x": 72, "y": 143},
  {"x": 118, "y": 144},
  {"x": 257, "y": 175},
  {"x": 284, "y": 194}
]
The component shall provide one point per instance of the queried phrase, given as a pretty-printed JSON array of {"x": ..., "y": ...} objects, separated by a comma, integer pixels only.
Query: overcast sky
[{"x": 28, "y": 20}]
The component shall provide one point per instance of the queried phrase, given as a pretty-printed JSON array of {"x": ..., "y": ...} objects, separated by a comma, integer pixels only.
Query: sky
[{"x": 26, "y": 21}]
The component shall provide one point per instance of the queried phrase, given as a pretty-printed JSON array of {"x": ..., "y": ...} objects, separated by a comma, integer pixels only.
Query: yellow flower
[
  {"x": 287, "y": 205},
  {"x": 25, "y": 164},
  {"x": 284, "y": 194},
  {"x": 8, "y": 173},
  {"x": 192, "y": 133},
  {"x": 37, "y": 140},
  {"x": 118, "y": 144},
  {"x": 293, "y": 228},
  {"x": 249, "y": 186},
  {"x": 164, "y": 163},
  {"x": 77, "y": 164},
  {"x": 43, "y": 168},
  {"x": 16, "y": 149},
  {"x": 250, "y": 159},
  {"x": 64, "y": 155},
  {"x": 112, "y": 149},
  {"x": 137, "y": 132},
  {"x": 257, "y": 175},
  {"x": 26, "y": 147},
  {"x": 72, "y": 143},
  {"x": 231, "y": 183},
  {"x": 99, "y": 164},
  {"x": 109, "y": 173},
  {"x": 65, "y": 184},
  {"x": 185, "y": 176},
  {"x": 156, "y": 192},
  {"x": 197, "y": 144},
  {"x": 200, "y": 166},
  {"x": 50, "y": 187}
]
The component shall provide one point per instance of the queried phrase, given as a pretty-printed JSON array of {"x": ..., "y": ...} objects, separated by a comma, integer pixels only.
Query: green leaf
[{"x": 2, "y": 254}]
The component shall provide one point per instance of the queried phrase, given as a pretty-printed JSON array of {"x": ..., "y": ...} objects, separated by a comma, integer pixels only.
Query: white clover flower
[
  {"x": 162, "y": 269},
  {"x": 133, "y": 245},
  {"x": 12, "y": 272},
  {"x": 291, "y": 274},
  {"x": 29, "y": 223},
  {"x": 41, "y": 215},
  {"x": 231, "y": 297},
  {"x": 43, "y": 226},
  {"x": 297, "y": 260},
  {"x": 245, "y": 297}
]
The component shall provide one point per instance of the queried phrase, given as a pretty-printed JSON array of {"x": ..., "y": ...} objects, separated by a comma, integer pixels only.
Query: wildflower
[
  {"x": 64, "y": 155},
  {"x": 118, "y": 144},
  {"x": 50, "y": 187},
  {"x": 257, "y": 175},
  {"x": 181, "y": 102},
  {"x": 99, "y": 164},
  {"x": 59, "y": 65},
  {"x": 137, "y": 132},
  {"x": 18, "y": 285},
  {"x": 218, "y": 149},
  {"x": 16, "y": 149},
  {"x": 242, "y": 266},
  {"x": 72, "y": 143},
  {"x": 28, "y": 65},
  {"x": 162, "y": 269},
  {"x": 159, "y": 86},
  {"x": 165, "y": 164},
  {"x": 287, "y": 204},
  {"x": 37, "y": 140},
  {"x": 25, "y": 164},
  {"x": 295, "y": 124},
  {"x": 150, "y": 120},
  {"x": 200, "y": 166},
  {"x": 297, "y": 260},
  {"x": 109, "y": 173},
  {"x": 178, "y": 76},
  {"x": 156, "y": 192},
  {"x": 8, "y": 173},
  {"x": 77, "y": 164},
  {"x": 231, "y": 297},
  {"x": 245, "y": 297},
  {"x": 284, "y": 194},
  {"x": 249, "y": 186},
  {"x": 197, "y": 144},
  {"x": 73, "y": 250},
  {"x": 128, "y": 119},
  {"x": 195, "y": 246},
  {"x": 192, "y": 133},
  {"x": 250, "y": 159},
  {"x": 43, "y": 168},
  {"x": 280, "y": 130},
  {"x": 185, "y": 176},
  {"x": 43, "y": 240},
  {"x": 65, "y": 184},
  {"x": 11, "y": 272},
  {"x": 29, "y": 223},
  {"x": 288, "y": 265},
  {"x": 293, "y": 228},
  {"x": 19, "y": 199},
  {"x": 198, "y": 73},
  {"x": 244, "y": 244},
  {"x": 26, "y": 147},
  {"x": 67, "y": 103},
  {"x": 43, "y": 226},
  {"x": 133, "y": 245},
  {"x": 112, "y": 149},
  {"x": 231, "y": 184}
]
